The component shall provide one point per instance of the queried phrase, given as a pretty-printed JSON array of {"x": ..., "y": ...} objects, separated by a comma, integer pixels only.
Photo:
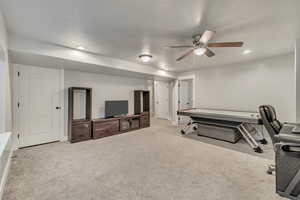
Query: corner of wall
[
  {"x": 297, "y": 79},
  {"x": 5, "y": 90}
]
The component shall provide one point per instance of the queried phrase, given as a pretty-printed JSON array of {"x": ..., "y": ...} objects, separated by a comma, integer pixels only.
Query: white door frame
[
  {"x": 176, "y": 95},
  {"x": 16, "y": 112}
]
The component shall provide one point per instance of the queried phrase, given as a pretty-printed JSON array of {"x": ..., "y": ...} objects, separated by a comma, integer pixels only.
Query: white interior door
[
  {"x": 185, "y": 90},
  {"x": 39, "y": 105},
  {"x": 161, "y": 96}
]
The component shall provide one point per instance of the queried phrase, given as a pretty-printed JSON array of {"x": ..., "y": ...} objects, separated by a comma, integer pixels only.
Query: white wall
[
  {"x": 79, "y": 102},
  {"x": 150, "y": 84},
  {"x": 245, "y": 86},
  {"x": 105, "y": 87},
  {"x": 173, "y": 93},
  {"x": 297, "y": 77},
  {"x": 5, "y": 88}
]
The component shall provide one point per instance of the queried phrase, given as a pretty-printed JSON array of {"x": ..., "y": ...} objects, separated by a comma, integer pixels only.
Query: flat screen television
[{"x": 116, "y": 108}]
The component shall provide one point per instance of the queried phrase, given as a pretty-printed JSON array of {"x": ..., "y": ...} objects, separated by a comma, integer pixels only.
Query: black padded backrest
[
  {"x": 268, "y": 116},
  {"x": 270, "y": 112}
]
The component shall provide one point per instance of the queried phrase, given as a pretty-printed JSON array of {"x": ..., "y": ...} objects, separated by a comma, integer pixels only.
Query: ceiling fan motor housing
[{"x": 196, "y": 41}]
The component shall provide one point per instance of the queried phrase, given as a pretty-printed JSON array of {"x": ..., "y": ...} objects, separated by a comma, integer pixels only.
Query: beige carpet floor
[{"x": 155, "y": 163}]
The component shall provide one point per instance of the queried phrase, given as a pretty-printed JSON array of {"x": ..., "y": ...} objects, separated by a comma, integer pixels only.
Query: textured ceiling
[{"x": 125, "y": 29}]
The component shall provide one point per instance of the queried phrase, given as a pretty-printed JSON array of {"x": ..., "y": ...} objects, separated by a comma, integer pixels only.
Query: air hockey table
[{"x": 241, "y": 122}]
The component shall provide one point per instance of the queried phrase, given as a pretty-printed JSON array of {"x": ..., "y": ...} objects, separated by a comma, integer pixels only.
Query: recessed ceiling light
[
  {"x": 199, "y": 51},
  {"x": 163, "y": 66},
  {"x": 145, "y": 58},
  {"x": 247, "y": 51},
  {"x": 81, "y": 48}
]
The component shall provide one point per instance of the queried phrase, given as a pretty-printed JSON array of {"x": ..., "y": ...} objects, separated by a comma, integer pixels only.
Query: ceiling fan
[{"x": 201, "y": 44}]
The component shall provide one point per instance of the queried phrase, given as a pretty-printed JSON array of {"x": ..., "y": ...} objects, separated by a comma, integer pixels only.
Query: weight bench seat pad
[{"x": 221, "y": 133}]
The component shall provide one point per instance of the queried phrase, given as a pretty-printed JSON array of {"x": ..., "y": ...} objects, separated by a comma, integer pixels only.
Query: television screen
[{"x": 116, "y": 108}]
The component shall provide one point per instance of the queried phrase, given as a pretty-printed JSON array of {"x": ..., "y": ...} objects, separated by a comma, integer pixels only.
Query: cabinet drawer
[
  {"x": 104, "y": 129},
  {"x": 124, "y": 125},
  {"x": 145, "y": 121},
  {"x": 113, "y": 125},
  {"x": 135, "y": 124},
  {"x": 104, "y": 133},
  {"x": 81, "y": 132},
  {"x": 145, "y": 124}
]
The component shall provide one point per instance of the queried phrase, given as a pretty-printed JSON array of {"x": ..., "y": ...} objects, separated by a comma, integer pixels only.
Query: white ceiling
[
  {"x": 125, "y": 29},
  {"x": 52, "y": 62}
]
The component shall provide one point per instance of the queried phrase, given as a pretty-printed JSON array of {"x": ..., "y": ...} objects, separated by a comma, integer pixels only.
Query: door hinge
[{"x": 19, "y": 73}]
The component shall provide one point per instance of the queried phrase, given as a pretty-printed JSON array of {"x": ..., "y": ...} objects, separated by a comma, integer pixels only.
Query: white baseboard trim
[
  {"x": 174, "y": 123},
  {"x": 5, "y": 174},
  {"x": 64, "y": 139}
]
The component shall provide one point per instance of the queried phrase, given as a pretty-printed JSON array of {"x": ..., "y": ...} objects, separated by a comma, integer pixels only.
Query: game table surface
[{"x": 230, "y": 115}]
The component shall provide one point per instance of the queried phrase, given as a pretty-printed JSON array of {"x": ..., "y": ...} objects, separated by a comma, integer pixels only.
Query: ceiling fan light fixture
[
  {"x": 199, "y": 51},
  {"x": 145, "y": 58}
]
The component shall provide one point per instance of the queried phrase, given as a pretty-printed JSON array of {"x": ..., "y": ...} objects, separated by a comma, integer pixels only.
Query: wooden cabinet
[
  {"x": 141, "y": 101},
  {"x": 142, "y": 107},
  {"x": 81, "y": 131},
  {"x": 105, "y": 127},
  {"x": 124, "y": 125},
  {"x": 79, "y": 125},
  {"x": 129, "y": 123},
  {"x": 145, "y": 120},
  {"x": 135, "y": 123},
  {"x": 108, "y": 127}
]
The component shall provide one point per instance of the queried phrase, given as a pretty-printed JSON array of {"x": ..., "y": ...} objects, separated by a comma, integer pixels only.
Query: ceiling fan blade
[
  {"x": 206, "y": 36},
  {"x": 209, "y": 53},
  {"x": 186, "y": 54},
  {"x": 226, "y": 44},
  {"x": 180, "y": 46}
]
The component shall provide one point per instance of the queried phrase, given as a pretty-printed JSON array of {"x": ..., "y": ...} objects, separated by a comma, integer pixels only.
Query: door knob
[{"x": 58, "y": 107}]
